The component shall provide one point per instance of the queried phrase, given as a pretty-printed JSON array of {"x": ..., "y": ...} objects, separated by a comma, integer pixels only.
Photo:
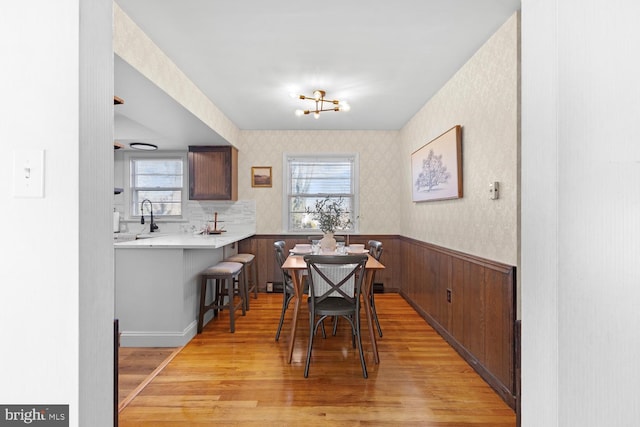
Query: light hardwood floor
[
  {"x": 137, "y": 366},
  {"x": 243, "y": 379}
]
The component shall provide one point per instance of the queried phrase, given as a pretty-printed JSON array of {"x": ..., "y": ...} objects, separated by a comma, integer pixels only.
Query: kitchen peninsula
[{"x": 156, "y": 281}]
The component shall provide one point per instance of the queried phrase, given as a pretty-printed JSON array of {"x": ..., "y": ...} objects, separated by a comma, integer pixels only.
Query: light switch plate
[
  {"x": 28, "y": 173},
  {"x": 494, "y": 190}
]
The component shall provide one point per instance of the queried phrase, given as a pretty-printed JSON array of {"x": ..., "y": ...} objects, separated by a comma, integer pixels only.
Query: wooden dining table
[{"x": 296, "y": 266}]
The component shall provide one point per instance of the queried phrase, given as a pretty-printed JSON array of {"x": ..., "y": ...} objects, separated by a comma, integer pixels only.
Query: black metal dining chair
[
  {"x": 287, "y": 283},
  {"x": 335, "y": 285},
  {"x": 375, "y": 250}
]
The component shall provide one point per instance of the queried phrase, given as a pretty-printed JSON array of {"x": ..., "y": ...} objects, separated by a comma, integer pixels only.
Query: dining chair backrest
[
  {"x": 335, "y": 276},
  {"x": 375, "y": 249},
  {"x": 335, "y": 273},
  {"x": 278, "y": 247}
]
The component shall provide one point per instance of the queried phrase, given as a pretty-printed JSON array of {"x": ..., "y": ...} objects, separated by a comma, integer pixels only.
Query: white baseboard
[{"x": 159, "y": 338}]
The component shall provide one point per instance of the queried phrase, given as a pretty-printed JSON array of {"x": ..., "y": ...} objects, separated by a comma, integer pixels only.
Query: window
[
  {"x": 310, "y": 178},
  {"x": 160, "y": 180}
]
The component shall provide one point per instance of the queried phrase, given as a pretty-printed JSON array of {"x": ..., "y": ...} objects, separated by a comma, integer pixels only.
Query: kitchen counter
[
  {"x": 188, "y": 241},
  {"x": 157, "y": 284}
]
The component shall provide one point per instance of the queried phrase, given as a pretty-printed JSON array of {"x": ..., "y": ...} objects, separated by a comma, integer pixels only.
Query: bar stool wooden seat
[
  {"x": 249, "y": 274},
  {"x": 224, "y": 274}
]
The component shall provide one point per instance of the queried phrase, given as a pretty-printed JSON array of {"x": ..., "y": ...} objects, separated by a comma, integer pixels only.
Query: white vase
[{"x": 328, "y": 243}]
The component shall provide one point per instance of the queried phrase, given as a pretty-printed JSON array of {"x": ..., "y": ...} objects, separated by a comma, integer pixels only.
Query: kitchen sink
[{"x": 149, "y": 235}]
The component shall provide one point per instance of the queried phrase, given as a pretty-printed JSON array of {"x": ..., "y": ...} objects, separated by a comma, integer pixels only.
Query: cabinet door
[{"x": 213, "y": 173}]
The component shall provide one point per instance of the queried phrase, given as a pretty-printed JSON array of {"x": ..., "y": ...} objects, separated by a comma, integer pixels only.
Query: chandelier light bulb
[
  {"x": 299, "y": 113},
  {"x": 316, "y": 115}
]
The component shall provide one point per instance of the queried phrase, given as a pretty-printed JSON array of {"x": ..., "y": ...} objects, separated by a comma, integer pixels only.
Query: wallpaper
[
  {"x": 380, "y": 168},
  {"x": 483, "y": 98}
]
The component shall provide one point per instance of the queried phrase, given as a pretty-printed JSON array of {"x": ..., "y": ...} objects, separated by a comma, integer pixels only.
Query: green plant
[{"x": 330, "y": 214}]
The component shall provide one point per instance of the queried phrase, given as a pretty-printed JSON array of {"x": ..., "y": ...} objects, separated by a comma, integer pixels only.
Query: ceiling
[
  {"x": 386, "y": 58},
  {"x": 150, "y": 115}
]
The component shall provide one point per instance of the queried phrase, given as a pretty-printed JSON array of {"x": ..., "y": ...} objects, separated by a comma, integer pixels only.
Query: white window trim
[
  {"x": 285, "y": 186},
  {"x": 129, "y": 155}
]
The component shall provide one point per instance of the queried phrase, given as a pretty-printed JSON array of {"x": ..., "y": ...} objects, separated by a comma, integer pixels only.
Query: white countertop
[{"x": 188, "y": 241}]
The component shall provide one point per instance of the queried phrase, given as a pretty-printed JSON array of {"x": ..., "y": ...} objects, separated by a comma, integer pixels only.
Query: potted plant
[{"x": 331, "y": 215}]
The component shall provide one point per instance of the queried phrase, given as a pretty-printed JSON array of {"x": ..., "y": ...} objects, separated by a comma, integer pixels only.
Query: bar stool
[
  {"x": 250, "y": 282},
  {"x": 225, "y": 275}
]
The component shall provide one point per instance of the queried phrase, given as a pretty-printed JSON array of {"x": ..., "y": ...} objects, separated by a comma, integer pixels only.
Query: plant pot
[{"x": 328, "y": 243}]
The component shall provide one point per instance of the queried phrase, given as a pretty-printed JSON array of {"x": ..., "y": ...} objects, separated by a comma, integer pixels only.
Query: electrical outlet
[
  {"x": 448, "y": 295},
  {"x": 269, "y": 287}
]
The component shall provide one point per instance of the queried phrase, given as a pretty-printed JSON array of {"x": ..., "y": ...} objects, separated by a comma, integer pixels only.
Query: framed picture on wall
[
  {"x": 261, "y": 176},
  {"x": 436, "y": 168}
]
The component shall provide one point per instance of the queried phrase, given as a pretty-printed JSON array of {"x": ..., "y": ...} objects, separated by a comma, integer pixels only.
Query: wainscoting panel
[{"x": 469, "y": 300}]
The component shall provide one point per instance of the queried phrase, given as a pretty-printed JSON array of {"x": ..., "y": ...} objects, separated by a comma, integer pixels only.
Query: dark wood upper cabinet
[{"x": 213, "y": 172}]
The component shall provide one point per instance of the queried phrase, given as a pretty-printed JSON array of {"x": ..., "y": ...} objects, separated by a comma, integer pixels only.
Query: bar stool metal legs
[{"x": 224, "y": 274}]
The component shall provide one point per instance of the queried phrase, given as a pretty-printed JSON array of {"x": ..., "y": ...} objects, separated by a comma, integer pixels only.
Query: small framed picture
[{"x": 261, "y": 176}]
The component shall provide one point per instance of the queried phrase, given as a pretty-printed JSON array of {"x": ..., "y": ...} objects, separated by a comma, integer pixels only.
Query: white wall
[
  {"x": 539, "y": 234},
  {"x": 580, "y": 213},
  {"x": 482, "y": 97},
  {"x": 39, "y": 291},
  {"x": 44, "y": 339}
]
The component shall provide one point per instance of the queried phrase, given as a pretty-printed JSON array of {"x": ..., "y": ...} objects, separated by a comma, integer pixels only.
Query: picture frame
[
  {"x": 436, "y": 168},
  {"x": 261, "y": 176}
]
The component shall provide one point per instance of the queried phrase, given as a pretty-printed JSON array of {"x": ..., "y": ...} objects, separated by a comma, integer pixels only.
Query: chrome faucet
[{"x": 152, "y": 226}]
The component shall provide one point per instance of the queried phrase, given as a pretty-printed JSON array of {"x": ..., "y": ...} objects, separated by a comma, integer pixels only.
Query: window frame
[
  {"x": 286, "y": 190},
  {"x": 174, "y": 155}
]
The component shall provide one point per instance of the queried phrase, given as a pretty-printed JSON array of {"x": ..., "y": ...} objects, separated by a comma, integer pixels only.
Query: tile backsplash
[{"x": 196, "y": 215}]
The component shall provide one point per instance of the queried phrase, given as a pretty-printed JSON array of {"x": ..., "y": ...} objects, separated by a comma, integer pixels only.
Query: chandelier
[{"x": 320, "y": 101}]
